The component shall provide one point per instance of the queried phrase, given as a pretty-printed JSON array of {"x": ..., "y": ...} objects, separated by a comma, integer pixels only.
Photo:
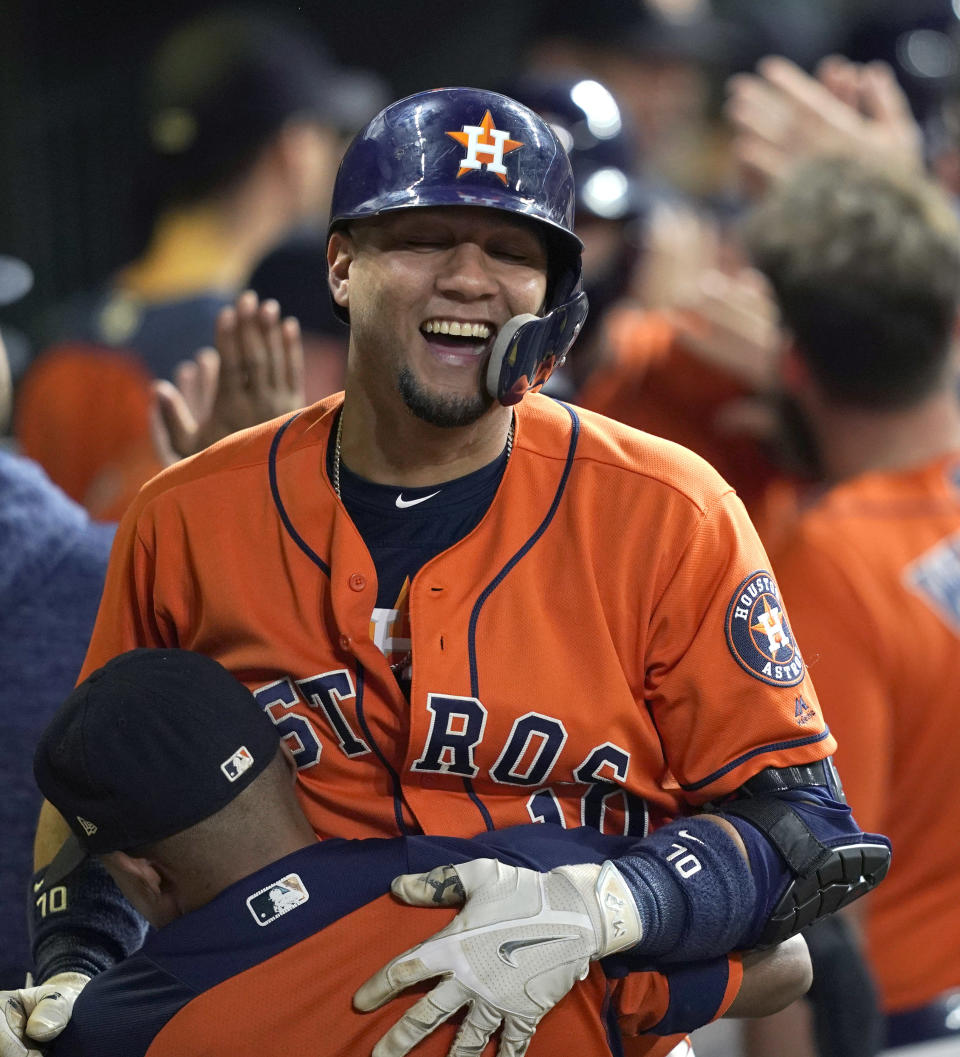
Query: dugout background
[{"x": 69, "y": 80}]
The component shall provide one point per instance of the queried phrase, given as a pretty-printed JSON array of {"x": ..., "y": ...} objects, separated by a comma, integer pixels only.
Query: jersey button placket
[{"x": 357, "y": 582}]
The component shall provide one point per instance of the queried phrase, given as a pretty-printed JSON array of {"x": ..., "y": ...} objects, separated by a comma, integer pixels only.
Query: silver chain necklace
[{"x": 339, "y": 437}]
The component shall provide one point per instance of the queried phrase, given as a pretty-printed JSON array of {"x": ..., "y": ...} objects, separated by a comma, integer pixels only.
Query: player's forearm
[
  {"x": 731, "y": 832},
  {"x": 694, "y": 892},
  {"x": 772, "y": 979},
  {"x": 710, "y": 884}
]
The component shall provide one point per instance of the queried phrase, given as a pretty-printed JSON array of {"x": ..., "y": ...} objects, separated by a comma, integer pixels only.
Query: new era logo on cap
[
  {"x": 88, "y": 827},
  {"x": 234, "y": 765}
]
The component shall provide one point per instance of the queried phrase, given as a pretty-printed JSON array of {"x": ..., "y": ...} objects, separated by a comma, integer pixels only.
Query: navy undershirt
[{"x": 403, "y": 539}]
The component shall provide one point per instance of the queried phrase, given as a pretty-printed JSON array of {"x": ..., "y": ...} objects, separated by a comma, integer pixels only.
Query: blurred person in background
[
  {"x": 611, "y": 207},
  {"x": 294, "y": 274},
  {"x": 55, "y": 558},
  {"x": 244, "y": 116},
  {"x": 51, "y": 577},
  {"x": 642, "y": 253},
  {"x": 865, "y": 266},
  {"x": 709, "y": 381},
  {"x": 658, "y": 61}
]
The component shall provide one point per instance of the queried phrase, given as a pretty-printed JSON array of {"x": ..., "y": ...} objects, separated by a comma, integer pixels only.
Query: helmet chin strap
[{"x": 528, "y": 348}]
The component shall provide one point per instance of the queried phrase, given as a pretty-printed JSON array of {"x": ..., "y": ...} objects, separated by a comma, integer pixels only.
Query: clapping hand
[
  {"x": 254, "y": 374},
  {"x": 782, "y": 115}
]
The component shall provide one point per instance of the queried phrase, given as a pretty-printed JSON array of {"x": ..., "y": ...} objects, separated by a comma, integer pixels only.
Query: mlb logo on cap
[{"x": 237, "y": 763}]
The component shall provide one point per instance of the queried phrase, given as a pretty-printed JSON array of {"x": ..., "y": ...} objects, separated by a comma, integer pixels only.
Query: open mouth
[{"x": 457, "y": 341}]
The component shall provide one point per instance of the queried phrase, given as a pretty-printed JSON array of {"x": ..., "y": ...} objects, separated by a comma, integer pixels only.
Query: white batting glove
[
  {"x": 38, "y": 1013},
  {"x": 522, "y": 940}
]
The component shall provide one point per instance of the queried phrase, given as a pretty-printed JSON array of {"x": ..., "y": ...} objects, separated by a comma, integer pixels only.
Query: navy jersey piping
[
  {"x": 314, "y": 557},
  {"x": 394, "y": 777},
  {"x": 478, "y": 804},
  {"x": 776, "y": 746},
  {"x": 278, "y": 502},
  {"x": 501, "y": 576}
]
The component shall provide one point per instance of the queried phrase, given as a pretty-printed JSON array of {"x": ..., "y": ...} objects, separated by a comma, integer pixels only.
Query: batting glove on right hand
[
  {"x": 38, "y": 1013},
  {"x": 522, "y": 940}
]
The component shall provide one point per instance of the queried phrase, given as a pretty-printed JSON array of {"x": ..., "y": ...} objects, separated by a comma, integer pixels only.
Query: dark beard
[{"x": 445, "y": 411}]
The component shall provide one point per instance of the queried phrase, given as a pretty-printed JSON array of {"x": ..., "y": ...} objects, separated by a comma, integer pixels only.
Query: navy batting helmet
[{"x": 469, "y": 147}]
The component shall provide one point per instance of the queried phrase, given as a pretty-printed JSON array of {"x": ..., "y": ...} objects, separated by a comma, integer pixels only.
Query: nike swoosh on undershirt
[{"x": 402, "y": 503}]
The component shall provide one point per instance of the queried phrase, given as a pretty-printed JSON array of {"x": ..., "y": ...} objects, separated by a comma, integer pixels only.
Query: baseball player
[
  {"x": 866, "y": 269},
  {"x": 164, "y": 752},
  {"x": 465, "y": 607}
]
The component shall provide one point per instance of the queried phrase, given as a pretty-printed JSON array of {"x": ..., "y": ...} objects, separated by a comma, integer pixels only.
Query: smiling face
[{"x": 427, "y": 290}]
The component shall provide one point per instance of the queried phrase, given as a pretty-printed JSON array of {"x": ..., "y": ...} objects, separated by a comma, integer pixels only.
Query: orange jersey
[
  {"x": 872, "y": 577},
  {"x": 272, "y": 963},
  {"x": 604, "y": 648}
]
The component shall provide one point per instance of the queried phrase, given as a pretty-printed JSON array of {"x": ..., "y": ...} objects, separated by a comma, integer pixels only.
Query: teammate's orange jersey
[
  {"x": 270, "y": 966},
  {"x": 658, "y": 385},
  {"x": 872, "y": 577},
  {"x": 605, "y": 648},
  {"x": 83, "y": 413}
]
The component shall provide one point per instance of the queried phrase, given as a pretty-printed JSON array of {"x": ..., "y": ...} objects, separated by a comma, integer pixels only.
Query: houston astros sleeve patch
[{"x": 758, "y": 634}]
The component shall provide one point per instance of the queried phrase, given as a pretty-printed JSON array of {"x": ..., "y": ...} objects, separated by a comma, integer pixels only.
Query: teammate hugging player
[{"x": 466, "y": 605}]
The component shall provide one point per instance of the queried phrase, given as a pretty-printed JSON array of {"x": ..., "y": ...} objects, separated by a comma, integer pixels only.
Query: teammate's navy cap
[
  {"x": 150, "y": 744},
  {"x": 16, "y": 278}
]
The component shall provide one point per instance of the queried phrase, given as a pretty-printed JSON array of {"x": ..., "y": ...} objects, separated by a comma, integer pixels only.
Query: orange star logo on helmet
[{"x": 484, "y": 141}]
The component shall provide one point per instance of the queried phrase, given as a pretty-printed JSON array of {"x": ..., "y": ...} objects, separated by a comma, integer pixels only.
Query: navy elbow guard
[{"x": 826, "y": 872}]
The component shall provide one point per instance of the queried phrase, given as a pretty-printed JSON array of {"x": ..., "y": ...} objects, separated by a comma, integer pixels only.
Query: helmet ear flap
[{"x": 528, "y": 348}]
